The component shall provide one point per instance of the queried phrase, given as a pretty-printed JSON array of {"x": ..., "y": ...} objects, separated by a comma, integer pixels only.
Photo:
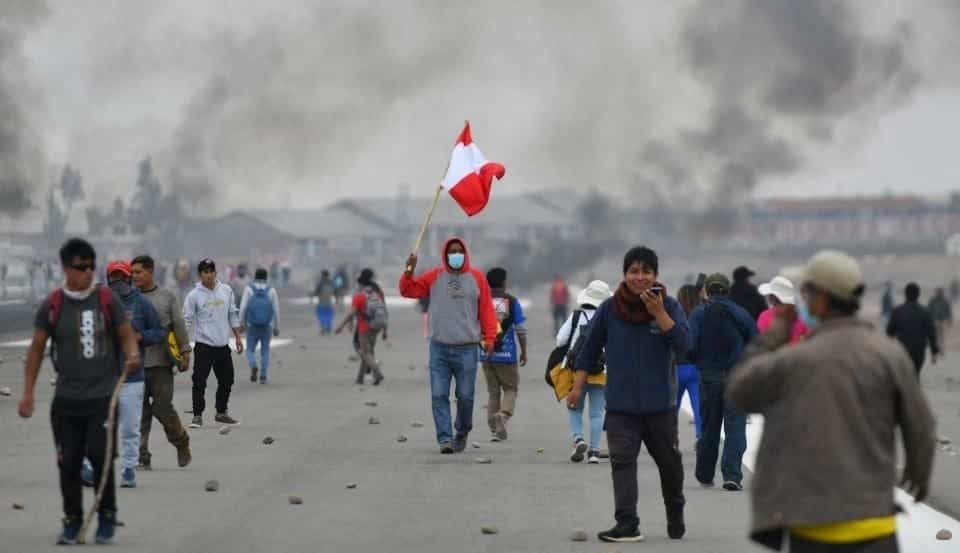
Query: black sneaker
[
  {"x": 71, "y": 529},
  {"x": 621, "y": 534},
  {"x": 460, "y": 443},
  {"x": 732, "y": 486},
  {"x": 224, "y": 418},
  {"x": 446, "y": 448},
  {"x": 675, "y": 525},
  {"x": 253, "y": 374},
  {"x": 106, "y": 527},
  {"x": 145, "y": 461},
  {"x": 579, "y": 448},
  {"x": 377, "y": 380}
]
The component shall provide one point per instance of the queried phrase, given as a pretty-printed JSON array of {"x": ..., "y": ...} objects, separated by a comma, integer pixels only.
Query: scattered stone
[
  {"x": 416, "y": 424},
  {"x": 374, "y": 420},
  {"x": 121, "y": 524},
  {"x": 268, "y": 440},
  {"x": 489, "y": 530},
  {"x": 224, "y": 430},
  {"x": 303, "y": 346},
  {"x": 18, "y": 505},
  {"x": 212, "y": 486},
  {"x": 5, "y": 391},
  {"x": 476, "y": 445},
  {"x": 352, "y": 486},
  {"x": 371, "y": 404},
  {"x": 944, "y": 535},
  {"x": 483, "y": 460},
  {"x": 943, "y": 440},
  {"x": 579, "y": 535},
  {"x": 413, "y": 367},
  {"x": 401, "y": 439},
  {"x": 540, "y": 450},
  {"x": 360, "y": 389},
  {"x": 296, "y": 500},
  {"x": 353, "y": 358}
]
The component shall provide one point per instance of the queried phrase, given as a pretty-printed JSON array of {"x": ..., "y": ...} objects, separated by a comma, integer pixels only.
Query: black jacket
[
  {"x": 912, "y": 325},
  {"x": 748, "y": 297}
]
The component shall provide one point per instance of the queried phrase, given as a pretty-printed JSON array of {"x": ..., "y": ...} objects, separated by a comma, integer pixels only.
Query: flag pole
[{"x": 426, "y": 222}]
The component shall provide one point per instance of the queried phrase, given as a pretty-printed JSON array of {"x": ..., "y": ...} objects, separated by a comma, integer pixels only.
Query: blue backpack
[{"x": 260, "y": 308}]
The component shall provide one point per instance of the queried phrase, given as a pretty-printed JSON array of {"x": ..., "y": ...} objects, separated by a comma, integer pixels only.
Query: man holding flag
[{"x": 461, "y": 305}]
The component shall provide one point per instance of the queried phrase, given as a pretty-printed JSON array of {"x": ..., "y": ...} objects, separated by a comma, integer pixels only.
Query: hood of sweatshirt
[{"x": 466, "y": 255}]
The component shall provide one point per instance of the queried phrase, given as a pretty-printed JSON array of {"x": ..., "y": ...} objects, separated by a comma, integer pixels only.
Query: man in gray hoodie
[
  {"x": 159, "y": 366},
  {"x": 211, "y": 314}
]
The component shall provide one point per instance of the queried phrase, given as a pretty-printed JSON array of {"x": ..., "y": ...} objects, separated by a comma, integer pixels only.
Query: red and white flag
[{"x": 470, "y": 175}]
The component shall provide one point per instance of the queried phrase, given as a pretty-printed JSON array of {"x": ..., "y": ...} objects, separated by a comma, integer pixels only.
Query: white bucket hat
[
  {"x": 594, "y": 294},
  {"x": 781, "y": 288}
]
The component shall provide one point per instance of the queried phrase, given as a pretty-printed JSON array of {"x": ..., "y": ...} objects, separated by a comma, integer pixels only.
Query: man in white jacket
[
  {"x": 260, "y": 313},
  {"x": 210, "y": 313}
]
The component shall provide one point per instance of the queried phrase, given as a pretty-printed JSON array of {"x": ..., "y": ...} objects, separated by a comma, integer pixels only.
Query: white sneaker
[
  {"x": 579, "y": 448},
  {"x": 593, "y": 457}
]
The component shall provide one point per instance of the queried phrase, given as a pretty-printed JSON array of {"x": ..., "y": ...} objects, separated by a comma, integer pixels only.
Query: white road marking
[{"x": 917, "y": 526}]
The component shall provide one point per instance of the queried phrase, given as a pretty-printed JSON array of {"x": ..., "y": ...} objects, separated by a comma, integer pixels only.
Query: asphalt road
[{"x": 408, "y": 497}]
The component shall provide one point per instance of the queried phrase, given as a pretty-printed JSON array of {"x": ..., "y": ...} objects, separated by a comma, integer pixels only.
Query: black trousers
[
  {"x": 79, "y": 430},
  {"x": 625, "y": 435},
  {"x": 220, "y": 361}
]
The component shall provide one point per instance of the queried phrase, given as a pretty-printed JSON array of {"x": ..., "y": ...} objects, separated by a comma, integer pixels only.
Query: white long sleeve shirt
[
  {"x": 274, "y": 300},
  {"x": 211, "y": 315}
]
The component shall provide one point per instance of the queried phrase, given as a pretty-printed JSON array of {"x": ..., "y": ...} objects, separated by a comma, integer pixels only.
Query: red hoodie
[{"x": 461, "y": 306}]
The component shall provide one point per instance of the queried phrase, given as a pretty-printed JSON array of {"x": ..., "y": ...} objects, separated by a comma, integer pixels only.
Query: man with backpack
[
  {"x": 720, "y": 330},
  {"x": 260, "y": 312},
  {"x": 159, "y": 366},
  {"x": 369, "y": 309},
  {"x": 88, "y": 327},
  {"x": 461, "y": 318},
  {"x": 211, "y": 315},
  {"x": 502, "y": 367}
]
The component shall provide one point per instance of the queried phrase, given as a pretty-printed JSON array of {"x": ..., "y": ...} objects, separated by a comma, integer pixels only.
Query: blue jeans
[
  {"x": 325, "y": 318},
  {"x": 716, "y": 413},
  {"x": 259, "y": 335},
  {"x": 458, "y": 363},
  {"x": 129, "y": 411},
  {"x": 689, "y": 380},
  {"x": 598, "y": 401}
]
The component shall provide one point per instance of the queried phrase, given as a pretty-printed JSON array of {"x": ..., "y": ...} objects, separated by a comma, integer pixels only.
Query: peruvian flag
[{"x": 470, "y": 175}]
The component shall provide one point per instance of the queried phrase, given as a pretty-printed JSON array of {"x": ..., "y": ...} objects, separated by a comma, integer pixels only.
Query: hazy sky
[{"x": 251, "y": 103}]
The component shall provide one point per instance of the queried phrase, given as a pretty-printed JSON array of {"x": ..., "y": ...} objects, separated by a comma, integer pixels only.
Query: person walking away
[
  {"x": 502, "y": 369},
  {"x": 745, "y": 294},
  {"x": 461, "y": 318},
  {"x": 887, "y": 302},
  {"x": 211, "y": 315},
  {"x": 942, "y": 313},
  {"x": 159, "y": 366},
  {"x": 559, "y": 302},
  {"x": 832, "y": 405},
  {"x": 148, "y": 331},
  {"x": 912, "y": 325},
  {"x": 572, "y": 334},
  {"x": 640, "y": 330},
  {"x": 719, "y": 331},
  {"x": 780, "y": 292},
  {"x": 87, "y": 327},
  {"x": 688, "y": 378},
  {"x": 260, "y": 313},
  {"x": 324, "y": 292},
  {"x": 369, "y": 310}
]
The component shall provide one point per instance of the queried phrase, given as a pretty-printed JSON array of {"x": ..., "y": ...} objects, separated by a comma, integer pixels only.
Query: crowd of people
[{"x": 832, "y": 390}]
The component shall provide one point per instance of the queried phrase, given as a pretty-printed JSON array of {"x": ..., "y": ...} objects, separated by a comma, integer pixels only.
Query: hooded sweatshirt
[
  {"x": 274, "y": 300},
  {"x": 211, "y": 315},
  {"x": 144, "y": 319},
  {"x": 461, "y": 305}
]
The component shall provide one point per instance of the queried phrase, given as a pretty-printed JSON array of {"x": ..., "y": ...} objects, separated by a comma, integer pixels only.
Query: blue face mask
[
  {"x": 456, "y": 260},
  {"x": 803, "y": 311}
]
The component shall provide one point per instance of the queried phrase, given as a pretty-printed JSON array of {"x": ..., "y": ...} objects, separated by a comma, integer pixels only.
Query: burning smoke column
[
  {"x": 21, "y": 157},
  {"x": 776, "y": 92},
  {"x": 193, "y": 176}
]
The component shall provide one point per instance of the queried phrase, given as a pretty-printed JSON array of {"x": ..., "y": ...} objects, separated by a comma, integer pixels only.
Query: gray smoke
[
  {"x": 780, "y": 75},
  {"x": 21, "y": 157}
]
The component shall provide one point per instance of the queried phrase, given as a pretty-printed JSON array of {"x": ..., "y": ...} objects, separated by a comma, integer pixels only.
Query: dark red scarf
[{"x": 630, "y": 307}]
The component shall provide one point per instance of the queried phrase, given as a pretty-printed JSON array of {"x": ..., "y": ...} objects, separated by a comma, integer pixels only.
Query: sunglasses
[{"x": 83, "y": 267}]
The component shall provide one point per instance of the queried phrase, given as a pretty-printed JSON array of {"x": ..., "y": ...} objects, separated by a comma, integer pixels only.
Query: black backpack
[{"x": 559, "y": 353}]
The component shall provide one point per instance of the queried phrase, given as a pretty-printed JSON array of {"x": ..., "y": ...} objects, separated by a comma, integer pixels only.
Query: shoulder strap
[
  {"x": 574, "y": 326},
  {"x": 55, "y": 306},
  {"x": 106, "y": 299}
]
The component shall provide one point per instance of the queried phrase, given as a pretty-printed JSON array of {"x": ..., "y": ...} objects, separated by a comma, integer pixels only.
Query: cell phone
[
  {"x": 656, "y": 289},
  {"x": 701, "y": 280}
]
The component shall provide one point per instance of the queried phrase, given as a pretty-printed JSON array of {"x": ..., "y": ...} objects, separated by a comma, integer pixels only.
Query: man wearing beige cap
[{"x": 827, "y": 461}]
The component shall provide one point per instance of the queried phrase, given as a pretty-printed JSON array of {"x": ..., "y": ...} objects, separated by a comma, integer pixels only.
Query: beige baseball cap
[{"x": 831, "y": 271}]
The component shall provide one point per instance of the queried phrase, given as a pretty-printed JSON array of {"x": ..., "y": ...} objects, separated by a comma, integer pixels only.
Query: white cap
[
  {"x": 832, "y": 271},
  {"x": 594, "y": 294},
  {"x": 781, "y": 288}
]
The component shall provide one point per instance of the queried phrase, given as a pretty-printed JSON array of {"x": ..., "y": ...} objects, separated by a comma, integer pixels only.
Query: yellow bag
[
  {"x": 174, "y": 348},
  {"x": 562, "y": 378}
]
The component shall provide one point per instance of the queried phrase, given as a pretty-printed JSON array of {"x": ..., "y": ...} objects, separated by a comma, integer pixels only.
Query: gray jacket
[
  {"x": 171, "y": 317},
  {"x": 832, "y": 404}
]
